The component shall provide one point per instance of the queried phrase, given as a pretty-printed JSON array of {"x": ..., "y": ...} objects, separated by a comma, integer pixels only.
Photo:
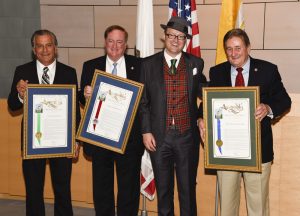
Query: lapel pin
[
  {"x": 255, "y": 69},
  {"x": 132, "y": 68}
]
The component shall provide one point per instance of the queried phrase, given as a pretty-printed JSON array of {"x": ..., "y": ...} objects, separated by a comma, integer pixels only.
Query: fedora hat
[{"x": 179, "y": 24}]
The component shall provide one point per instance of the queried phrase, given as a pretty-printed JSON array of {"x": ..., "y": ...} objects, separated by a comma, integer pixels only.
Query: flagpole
[
  {"x": 144, "y": 210},
  {"x": 179, "y": 6},
  {"x": 216, "y": 197}
]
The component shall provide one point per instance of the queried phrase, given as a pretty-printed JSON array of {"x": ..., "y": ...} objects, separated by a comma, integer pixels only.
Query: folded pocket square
[{"x": 195, "y": 71}]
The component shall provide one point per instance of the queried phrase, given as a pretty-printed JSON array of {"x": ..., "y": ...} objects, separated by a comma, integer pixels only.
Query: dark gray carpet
[
  {"x": 17, "y": 208},
  {"x": 11, "y": 207}
]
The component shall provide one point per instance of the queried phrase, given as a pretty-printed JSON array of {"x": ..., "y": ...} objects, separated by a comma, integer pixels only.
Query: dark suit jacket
[
  {"x": 132, "y": 71},
  {"x": 153, "y": 106},
  {"x": 63, "y": 75},
  {"x": 272, "y": 92}
]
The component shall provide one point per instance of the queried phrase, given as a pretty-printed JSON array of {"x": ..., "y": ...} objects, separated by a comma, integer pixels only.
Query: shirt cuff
[{"x": 20, "y": 99}]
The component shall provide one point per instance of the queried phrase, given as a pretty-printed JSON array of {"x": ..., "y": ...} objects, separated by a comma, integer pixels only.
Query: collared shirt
[
  {"x": 121, "y": 66},
  {"x": 168, "y": 58},
  {"x": 40, "y": 71},
  {"x": 245, "y": 72},
  {"x": 51, "y": 72}
]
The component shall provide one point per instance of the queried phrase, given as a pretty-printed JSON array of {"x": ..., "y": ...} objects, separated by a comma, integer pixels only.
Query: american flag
[{"x": 187, "y": 9}]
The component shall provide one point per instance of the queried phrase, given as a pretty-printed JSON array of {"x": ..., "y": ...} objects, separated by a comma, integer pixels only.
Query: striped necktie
[{"x": 45, "y": 76}]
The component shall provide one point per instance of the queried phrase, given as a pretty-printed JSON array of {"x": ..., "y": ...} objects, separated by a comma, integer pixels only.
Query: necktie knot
[
  {"x": 239, "y": 70},
  {"x": 173, "y": 67},
  {"x": 45, "y": 76},
  {"x": 239, "y": 80},
  {"x": 114, "y": 71},
  {"x": 45, "y": 69}
]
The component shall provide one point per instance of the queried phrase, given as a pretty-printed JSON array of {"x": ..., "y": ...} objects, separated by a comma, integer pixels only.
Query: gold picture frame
[
  {"x": 49, "y": 121},
  {"x": 232, "y": 139},
  {"x": 110, "y": 111}
]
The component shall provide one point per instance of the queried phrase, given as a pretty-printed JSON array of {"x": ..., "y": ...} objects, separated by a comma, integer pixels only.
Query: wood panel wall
[{"x": 284, "y": 187}]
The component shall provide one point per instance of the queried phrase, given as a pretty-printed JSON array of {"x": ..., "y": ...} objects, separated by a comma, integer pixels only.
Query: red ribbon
[{"x": 97, "y": 113}]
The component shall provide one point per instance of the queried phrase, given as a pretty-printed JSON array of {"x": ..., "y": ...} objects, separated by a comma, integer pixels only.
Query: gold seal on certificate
[
  {"x": 219, "y": 143},
  {"x": 38, "y": 135}
]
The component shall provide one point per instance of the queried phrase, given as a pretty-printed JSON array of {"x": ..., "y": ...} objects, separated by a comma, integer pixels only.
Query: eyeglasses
[{"x": 179, "y": 37}]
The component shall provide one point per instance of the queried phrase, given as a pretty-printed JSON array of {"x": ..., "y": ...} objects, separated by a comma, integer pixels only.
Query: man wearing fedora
[{"x": 169, "y": 113}]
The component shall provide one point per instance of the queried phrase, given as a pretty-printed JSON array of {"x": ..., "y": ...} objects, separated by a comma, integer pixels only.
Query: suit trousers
[
  {"x": 256, "y": 189},
  {"x": 177, "y": 151},
  {"x": 128, "y": 168},
  {"x": 34, "y": 176}
]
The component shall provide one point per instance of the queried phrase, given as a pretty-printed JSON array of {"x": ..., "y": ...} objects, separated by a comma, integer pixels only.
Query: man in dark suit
[
  {"x": 44, "y": 46},
  {"x": 169, "y": 112},
  {"x": 128, "y": 165},
  {"x": 243, "y": 70}
]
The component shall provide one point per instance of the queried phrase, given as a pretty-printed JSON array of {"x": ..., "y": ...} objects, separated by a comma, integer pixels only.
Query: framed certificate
[
  {"x": 49, "y": 121},
  {"x": 232, "y": 139},
  {"x": 110, "y": 112}
]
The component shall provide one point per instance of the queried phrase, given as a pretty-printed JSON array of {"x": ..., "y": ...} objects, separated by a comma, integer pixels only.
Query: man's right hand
[
  {"x": 21, "y": 88},
  {"x": 149, "y": 142},
  {"x": 202, "y": 129},
  {"x": 87, "y": 92}
]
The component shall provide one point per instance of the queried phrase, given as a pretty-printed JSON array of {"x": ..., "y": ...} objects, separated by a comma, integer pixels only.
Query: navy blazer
[
  {"x": 272, "y": 92},
  {"x": 153, "y": 105},
  {"x": 132, "y": 72}
]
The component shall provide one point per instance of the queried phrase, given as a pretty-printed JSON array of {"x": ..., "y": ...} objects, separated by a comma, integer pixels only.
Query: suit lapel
[
  {"x": 160, "y": 70},
  {"x": 189, "y": 73},
  {"x": 35, "y": 75},
  {"x": 57, "y": 73},
  {"x": 130, "y": 70},
  {"x": 101, "y": 64},
  {"x": 252, "y": 71},
  {"x": 227, "y": 73}
]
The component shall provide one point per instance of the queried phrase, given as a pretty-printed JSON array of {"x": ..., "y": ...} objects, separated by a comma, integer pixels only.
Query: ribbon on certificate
[
  {"x": 97, "y": 114},
  {"x": 219, "y": 142},
  {"x": 101, "y": 99},
  {"x": 38, "y": 111}
]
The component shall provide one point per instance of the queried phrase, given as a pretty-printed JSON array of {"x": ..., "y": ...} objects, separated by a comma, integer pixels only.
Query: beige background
[{"x": 274, "y": 30}]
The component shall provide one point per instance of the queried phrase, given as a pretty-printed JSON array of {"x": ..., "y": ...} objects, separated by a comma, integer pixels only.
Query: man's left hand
[{"x": 262, "y": 111}]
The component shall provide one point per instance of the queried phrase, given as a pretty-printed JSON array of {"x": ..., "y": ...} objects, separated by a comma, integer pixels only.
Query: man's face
[
  {"x": 115, "y": 45},
  {"x": 174, "y": 46},
  {"x": 236, "y": 51},
  {"x": 45, "y": 49}
]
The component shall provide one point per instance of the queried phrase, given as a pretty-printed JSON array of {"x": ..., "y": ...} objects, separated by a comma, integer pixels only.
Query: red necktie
[{"x": 239, "y": 80}]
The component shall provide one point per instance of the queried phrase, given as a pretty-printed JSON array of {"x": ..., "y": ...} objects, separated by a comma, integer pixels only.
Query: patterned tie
[
  {"x": 239, "y": 80},
  {"x": 114, "y": 71},
  {"x": 45, "y": 76},
  {"x": 172, "y": 70}
]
